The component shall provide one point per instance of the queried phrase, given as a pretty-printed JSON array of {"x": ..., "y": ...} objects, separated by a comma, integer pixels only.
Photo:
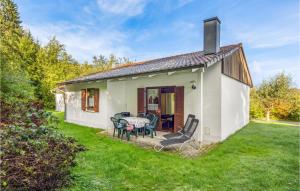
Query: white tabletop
[{"x": 138, "y": 122}]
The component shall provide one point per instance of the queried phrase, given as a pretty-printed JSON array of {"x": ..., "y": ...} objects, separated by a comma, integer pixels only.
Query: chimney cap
[{"x": 211, "y": 19}]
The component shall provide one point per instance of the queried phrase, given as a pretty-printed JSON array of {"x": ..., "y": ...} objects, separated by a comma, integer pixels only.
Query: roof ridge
[
  {"x": 150, "y": 60},
  {"x": 167, "y": 57}
]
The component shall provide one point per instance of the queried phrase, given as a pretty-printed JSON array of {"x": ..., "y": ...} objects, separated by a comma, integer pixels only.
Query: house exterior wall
[
  {"x": 59, "y": 102},
  {"x": 212, "y": 103},
  {"x": 225, "y": 104},
  {"x": 225, "y": 100},
  {"x": 74, "y": 113},
  {"x": 123, "y": 94},
  {"x": 235, "y": 99},
  {"x": 118, "y": 96}
]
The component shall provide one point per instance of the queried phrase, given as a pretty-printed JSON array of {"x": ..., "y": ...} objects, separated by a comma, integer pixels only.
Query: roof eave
[{"x": 130, "y": 75}]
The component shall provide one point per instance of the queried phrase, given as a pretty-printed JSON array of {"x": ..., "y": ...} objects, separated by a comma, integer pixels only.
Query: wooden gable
[{"x": 235, "y": 66}]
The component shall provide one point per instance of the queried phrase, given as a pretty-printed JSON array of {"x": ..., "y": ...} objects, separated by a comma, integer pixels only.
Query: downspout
[{"x": 200, "y": 134}]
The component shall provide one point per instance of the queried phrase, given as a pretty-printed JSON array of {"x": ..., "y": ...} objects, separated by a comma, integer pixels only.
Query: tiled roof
[{"x": 177, "y": 62}]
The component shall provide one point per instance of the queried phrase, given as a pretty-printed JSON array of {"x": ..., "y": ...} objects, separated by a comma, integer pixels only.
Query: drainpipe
[{"x": 200, "y": 134}]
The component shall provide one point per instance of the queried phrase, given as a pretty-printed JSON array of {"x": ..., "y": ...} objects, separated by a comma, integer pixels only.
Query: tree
[
  {"x": 15, "y": 83},
  {"x": 100, "y": 62},
  {"x": 56, "y": 66},
  {"x": 28, "y": 49},
  {"x": 29, "y": 70},
  {"x": 278, "y": 97},
  {"x": 10, "y": 30},
  {"x": 256, "y": 106},
  {"x": 15, "y": 86}
]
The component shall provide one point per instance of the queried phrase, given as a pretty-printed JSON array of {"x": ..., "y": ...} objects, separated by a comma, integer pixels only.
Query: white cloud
[
  {"x": 86, "y": 9},
  {"x": 272, "y": 34},
  {"x": 122, "y": 7},
  {"x": 256, "y": 67},
  {"x": 182, "y": 3},
  {"x": 264, "y": 69},
  {"x": 81, "y": 42},
  {"x": 268, "y": 37},
  {"x": 267, "y": 33}
]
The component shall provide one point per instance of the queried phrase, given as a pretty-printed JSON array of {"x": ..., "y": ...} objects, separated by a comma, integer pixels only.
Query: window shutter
[
  {"x": 179, "y": 108},
  {"x": 141, "y": 100},
  {"x": 96, "y": 100},
  {"x": 83, "y": 99}
]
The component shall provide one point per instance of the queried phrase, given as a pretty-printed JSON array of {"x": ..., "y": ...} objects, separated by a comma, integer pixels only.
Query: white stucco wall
[
  {"x": 122, "y": 95},
  {"x": 225, "y": 105},
  {"x": 225, "y": 100},
  {"x": 59, "y": 102},
  {"x": 118, "y": 96},
  {"x": 74, "y": 113},
  {"x": 235, "y": 101},
  {"x": 212, "y": 103}
]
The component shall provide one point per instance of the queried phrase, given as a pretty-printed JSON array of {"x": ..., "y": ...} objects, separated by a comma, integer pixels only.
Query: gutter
[{"x": 122, "y": 76}]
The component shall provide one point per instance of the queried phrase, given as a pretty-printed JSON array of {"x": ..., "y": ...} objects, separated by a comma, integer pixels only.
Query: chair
[
  {"x": 151, "y": 126},
  {"x": 150, "y": 116},
  {"x": 125, "y": 114},
  {"x": 117, "y": 126},
  {"x": 118, "y": 116},
  {"x": 183, "y": 139},
  {"x": 181, "y": 131},
  {"x": 126, "y": 128},
  {"x": 141, "y": 114}
]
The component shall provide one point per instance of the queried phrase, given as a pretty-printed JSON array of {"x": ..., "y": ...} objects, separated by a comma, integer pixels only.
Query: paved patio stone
[{"x": 189, "y": 150}]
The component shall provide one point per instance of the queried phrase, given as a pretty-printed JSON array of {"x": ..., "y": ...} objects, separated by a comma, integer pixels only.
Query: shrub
[
  {"x": 33, "y": 155},
  {"x": 256, "y": 107}
]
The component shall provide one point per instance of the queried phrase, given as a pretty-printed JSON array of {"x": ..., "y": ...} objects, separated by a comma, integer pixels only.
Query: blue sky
[{"x": 141, "y": 29}]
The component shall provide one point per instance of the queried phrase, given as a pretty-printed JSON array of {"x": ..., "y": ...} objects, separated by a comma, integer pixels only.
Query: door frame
[{"x": 158, "y": 112}]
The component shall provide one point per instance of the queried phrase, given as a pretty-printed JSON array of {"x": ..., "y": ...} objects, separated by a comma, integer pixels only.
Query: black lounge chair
[
  {"x": 183, "y": 139},
  {"x": 181, "y": 131}
]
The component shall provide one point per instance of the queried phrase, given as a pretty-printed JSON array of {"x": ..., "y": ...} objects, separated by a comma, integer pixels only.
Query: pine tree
[
  {"x": 10, "y": 30},
  {"x": 15, "y": 86}
]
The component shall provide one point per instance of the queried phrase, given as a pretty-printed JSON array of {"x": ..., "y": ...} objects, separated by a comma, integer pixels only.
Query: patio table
[{"x": 138, "y": 122}]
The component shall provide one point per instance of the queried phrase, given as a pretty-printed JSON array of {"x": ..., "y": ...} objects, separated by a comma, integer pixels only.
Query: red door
[
  {"x": 141, "y": 100},
  {"x": 179, "y": 108}
]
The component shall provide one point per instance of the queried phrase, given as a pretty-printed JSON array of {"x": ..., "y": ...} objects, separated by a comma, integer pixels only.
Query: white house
[{"x": 213, "y": 84}]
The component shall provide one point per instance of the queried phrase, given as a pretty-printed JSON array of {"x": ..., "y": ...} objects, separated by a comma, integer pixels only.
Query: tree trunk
[{"x": 268, "y": 115}]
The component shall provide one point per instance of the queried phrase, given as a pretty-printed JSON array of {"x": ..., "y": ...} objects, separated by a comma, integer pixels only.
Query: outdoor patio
[{"x": 189, "y": 150}]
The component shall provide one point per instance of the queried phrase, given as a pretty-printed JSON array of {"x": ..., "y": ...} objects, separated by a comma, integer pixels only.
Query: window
[
  {"x": 90, "y": 99},
  {"x": 152, "y": 99}
]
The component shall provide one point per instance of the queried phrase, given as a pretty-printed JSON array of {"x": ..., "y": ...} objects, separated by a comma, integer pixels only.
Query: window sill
[{"x": 90, "y": 111}]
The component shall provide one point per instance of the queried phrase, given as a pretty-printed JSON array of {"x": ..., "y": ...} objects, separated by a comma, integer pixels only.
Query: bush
[
  {"x": 256, "y": 107},
  {"x": 33, "y": 155}
]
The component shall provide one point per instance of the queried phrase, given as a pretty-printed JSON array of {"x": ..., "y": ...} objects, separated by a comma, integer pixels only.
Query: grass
[{"x": 258, "y": 157}]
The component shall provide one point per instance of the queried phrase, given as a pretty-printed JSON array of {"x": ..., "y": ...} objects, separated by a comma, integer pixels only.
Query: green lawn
[{"x": 259, "y": 157}]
